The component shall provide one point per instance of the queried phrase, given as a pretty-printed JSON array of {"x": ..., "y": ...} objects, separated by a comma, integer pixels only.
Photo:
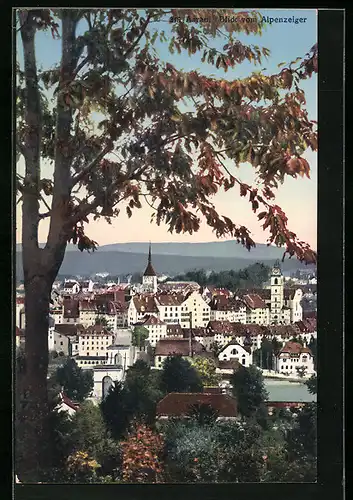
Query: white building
[
  {"x": 223, "y": 331},
  {"x": 57, "y": 342},
  {"x": 198, "y": 309},
  {"x": 233, "y": 350},
  {"x": 87, "y": 312},
  {"x": 65, "y": 404},
  {"x": 224, "y": 308},
  {"x": 86, "y": 286},
  {"x": 157, "y": 329},
  {"x": 171, "y": 309},
  {"x": 257, "y": 312},
  {"x": 139, "y": 306},
  {"x": 292, "y": 356},
  {"x": 104, "y": 378},
  {"x": 279, "y": 313},
  {"x": 20, "y": 312},
  {"x": 292, "y": 300},
  {"x": 71, "y": 287},
  {"x": 57, "y": 312},
  {"x": 94, "y": 341}
]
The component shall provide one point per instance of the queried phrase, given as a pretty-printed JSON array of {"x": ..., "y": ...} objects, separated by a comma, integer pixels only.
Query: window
[
  {"x": 61, "y": 343},
  {"x": 88, "y": 354},
  {"x": 243, "y": 361},
  {"x": 159, "y": 358}
]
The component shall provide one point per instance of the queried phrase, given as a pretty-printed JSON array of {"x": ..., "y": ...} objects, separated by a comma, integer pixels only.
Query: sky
[{"x": 297, "y": 197}]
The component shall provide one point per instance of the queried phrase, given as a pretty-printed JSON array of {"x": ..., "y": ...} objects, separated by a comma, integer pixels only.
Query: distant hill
[
  {"x": 223, "y": 249},
  {"x": 123, "y": 262}
]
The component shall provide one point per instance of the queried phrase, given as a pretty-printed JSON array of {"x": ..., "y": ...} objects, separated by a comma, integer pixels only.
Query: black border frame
[{"x": 330, "y": 301}]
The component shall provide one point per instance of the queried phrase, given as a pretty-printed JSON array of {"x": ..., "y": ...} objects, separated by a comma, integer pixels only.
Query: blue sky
[{"x": 298, "y": 197}]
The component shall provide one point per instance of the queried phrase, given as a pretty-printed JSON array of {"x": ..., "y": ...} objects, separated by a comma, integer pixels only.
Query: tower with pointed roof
[
  {"x": 149, "y": 279},
  {"x": 277, "y": 293}
]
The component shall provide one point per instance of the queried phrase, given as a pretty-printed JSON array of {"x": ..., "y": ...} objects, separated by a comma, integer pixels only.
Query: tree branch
[
  {"x": 143, "y": 30},
  {"x": 78, "y": 177}
]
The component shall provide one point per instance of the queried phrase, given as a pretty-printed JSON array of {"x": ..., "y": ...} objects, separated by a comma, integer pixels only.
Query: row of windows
[
  {"x": 97, "y": 342},
  {"x": 89, "y": 336}
]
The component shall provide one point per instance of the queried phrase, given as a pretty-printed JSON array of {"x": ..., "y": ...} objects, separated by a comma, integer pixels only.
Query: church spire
[
  {"x": 149, "y": 255},
  {"x": 149, "y": 269}
]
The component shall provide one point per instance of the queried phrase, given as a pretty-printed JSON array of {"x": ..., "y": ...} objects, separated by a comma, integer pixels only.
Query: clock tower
[{"x": 276, "y": 293}]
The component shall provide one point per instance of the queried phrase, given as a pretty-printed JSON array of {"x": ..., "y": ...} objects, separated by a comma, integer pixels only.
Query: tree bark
[{"x": 40, "y": 266}]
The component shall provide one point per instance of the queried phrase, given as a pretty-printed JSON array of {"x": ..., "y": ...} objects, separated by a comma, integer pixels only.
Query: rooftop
[{"x": 179, "y": 404}]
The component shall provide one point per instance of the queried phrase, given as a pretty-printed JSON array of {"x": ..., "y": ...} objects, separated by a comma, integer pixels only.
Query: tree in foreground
[
  {"x": 206, "y": 368},
  {"x": 249, "y": 390},
  {"x": 76, "y": 382},
  {"x": 139, "y": 336},
  {"x": 142, "y": 456},
  {"x": 145, "y": 148},
  {"x": 312, "y": 384},
  {"x": 179, "y": 376}
]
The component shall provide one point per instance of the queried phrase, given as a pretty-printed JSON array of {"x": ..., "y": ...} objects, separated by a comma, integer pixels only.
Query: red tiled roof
[
  {"x": 198, "y": 332},
  {"x": 97, "y": 330},
  {"x": 240, "y": 329},
  {"x": 224, "y": 327},
  {"x": 20, "y": 300},
  {"x": 145, "y": 303},
  {"x": 87, "y": 305},
  {"x": 170, "y": 299},
  {"x": 166, "y": 347},
  {"x": 68, "y": 402},
  {"x": 264, "y": 293},
  {"x": 179, "y": 404},
  {"x": 254, "y": 301},
  {"x": 294, "y": 348},
  {"x": 69, "y": 330},
  {"x": 307, "y": 325},
  {"x": 150, "y": 319},
  {"x": 284, "y": 330}
]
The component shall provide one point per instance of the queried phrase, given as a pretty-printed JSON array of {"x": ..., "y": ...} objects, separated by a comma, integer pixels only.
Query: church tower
[
  {"x": 277, "y": 293},
  {"x": 149, "y": 279}
]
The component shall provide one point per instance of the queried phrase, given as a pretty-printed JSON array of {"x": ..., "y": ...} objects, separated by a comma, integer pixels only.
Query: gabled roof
[
  {"x": 198, "y": 332},
  {"x": 150, "y": 319},
  {"x": 294, "y": 348},
  {"x": 69, "y": 330},
  {"x": 176, "y": 346},
  {"x": 97, "y": 330},
  {"x": 179, "y": 404},
  {"x": 222, "y": 327},
  {"x": 145, "y": 304},
  {"x": 235, "y": 344},
  {"x": 68, "y": 402},
  {"x": 254, "y": 301},
  {"x": 170, "y": 299}
]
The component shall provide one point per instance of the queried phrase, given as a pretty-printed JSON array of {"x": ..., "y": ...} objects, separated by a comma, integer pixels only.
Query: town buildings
[{"x": 94, "y": 322}]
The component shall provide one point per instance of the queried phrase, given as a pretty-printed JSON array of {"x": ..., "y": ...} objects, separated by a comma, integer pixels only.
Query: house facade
[
  {"x": 234, "y": 350},
  {"x": 157, "y": 329},
  {"x": 292, "y": 356}
]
